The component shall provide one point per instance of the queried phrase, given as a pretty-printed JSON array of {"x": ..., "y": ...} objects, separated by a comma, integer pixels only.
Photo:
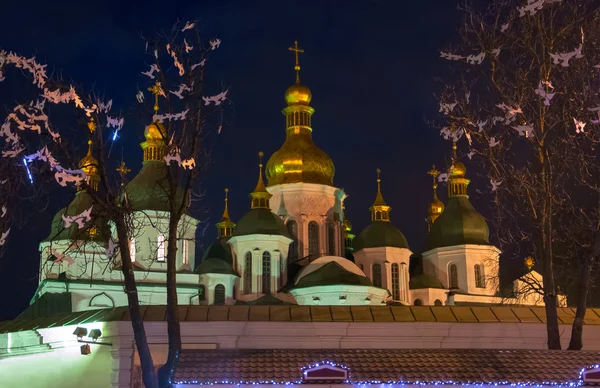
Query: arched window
[
  {"x": 160, "y": 248},
  {"x": 248, "y": 273},
  {"x": 395, "y": 281},
  {"x": 479, "y": 276},
  {"x": 132, "y": 249},
  {"x": 453, "y": 276},
  {"x": 202, "y": 292},
  {"x": 184, "y": 251},
  {"x": 219, "y": 294},
  {"x": 266, "y": 272},
  {"x": 331, "y": 239},
  {"x": 377, "y": 275},
  {"x": 313, "y": 239},
  {"x": 292, "y": 228},
  {"x": 437, "y": 302},
  {"x": 418, "y": 302}
]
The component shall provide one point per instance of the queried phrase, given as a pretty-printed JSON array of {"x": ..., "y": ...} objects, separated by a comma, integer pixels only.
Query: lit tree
[
  {"x": 34, "y": 152},
  {"x": 522, "y": 97}
]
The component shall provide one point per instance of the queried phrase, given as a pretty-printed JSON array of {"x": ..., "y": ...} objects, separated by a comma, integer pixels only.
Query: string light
[
  {"x": 115, "y": 135},
  {"x": 304, "y": 370},
  {"x": 28, "y": 171}
]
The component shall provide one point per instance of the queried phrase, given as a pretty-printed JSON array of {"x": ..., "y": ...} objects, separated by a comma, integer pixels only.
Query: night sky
[{"x": 370, "y": 66}]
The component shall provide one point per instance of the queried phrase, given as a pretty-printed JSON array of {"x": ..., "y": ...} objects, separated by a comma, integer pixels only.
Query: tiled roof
[
  {"x": 232, "y": 366},
  {"x": 469, "y": 314}
]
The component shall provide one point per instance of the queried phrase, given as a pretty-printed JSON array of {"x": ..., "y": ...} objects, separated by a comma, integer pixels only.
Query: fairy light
[
  {"x": 115, "y": 135},
  {"x": 350, "y": 381},
  {"x": 28, "y": 171}
]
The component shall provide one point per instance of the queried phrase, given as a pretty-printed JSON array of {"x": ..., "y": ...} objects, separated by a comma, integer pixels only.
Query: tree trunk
[
  {"x": 576, "y": 342},
  {"x": 173, "y": 327},
  {"x": 139, "y": 332}
]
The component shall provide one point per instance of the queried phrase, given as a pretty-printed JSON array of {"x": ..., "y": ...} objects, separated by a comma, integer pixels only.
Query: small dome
[
  {"x": 215, "y": 265},
  {"x": 148, "y": 189},
  {"x": 99, "y": 231},
  {"x": 436, "y": 207},
  {"x": 330, "y": 270},
  {"x": 424, "y": 281},
  {"x": 458, "y": 170},
  {"x": 260, "y": 221},
  {"x": 298, "y": 94},
  {"x": 219, "y": 249},
  {"x": 155, "y": 131},
  {"x": 380, "y": 234},
  {"x": 459, "y": 224}
]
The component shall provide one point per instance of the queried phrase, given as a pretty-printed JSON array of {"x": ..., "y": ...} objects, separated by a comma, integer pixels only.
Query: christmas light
[
  {"x": 505, "y": 383},
  {"x": 28, "y": 171},
  {"x": 115, "y": 135}
]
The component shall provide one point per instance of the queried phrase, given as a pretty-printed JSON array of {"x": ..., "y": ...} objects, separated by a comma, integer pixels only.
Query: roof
[
  {"x": 330, "y": 270},
  {"x": 424, "y": 281},
  {"x": 487, "y": 314},
  {"x": 459, "y": 224},
  {"x": 380, "y": 234},
  {"x": 260, "y": 221},
  {"x": 219, "y": 249},
  {"x": 408, "y": 366},
  {"x": 215, "y": 265},
  {"x": 148, "y": 190},
  {"x": 265, "y": 300}
]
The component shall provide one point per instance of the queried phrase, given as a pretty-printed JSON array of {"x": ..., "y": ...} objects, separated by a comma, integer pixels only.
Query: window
[
  {"x": 377, "y": 275},
  {"x": 202, "y": 292},
  {"x": 184, "y": 252},
  {"x": 292, "y": 228},
  {"x": 160, "y": 253},
  {"x": 248, "y": 273},
  {"x": 453, "y": 276},
  {"x": 266, "y": 273},
  {"x": 395, "y": 281},
  {"x": 132, "y": 249},
  {"x": 219, "y": 294},
  {"x": 418, "y": 302},
  {"x": 479, "y": 276},
  {"x": 437, "y": 302},
  {"x": 313, "y": 239},
  {"x": 362, "y": 267},
  {"x": 331, "y": 239}
]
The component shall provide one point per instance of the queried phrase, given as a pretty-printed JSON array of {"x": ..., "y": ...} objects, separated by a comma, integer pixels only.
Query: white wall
[{"x": 386, "y": 256}]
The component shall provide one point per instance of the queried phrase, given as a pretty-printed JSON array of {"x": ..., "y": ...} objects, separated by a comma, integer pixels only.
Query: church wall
[
  {"x": 386, "y": 256},
  {"x": 429, "y": 296},
  {"x": 211, "y": 281},
  {"x": 306, "y": 202}
]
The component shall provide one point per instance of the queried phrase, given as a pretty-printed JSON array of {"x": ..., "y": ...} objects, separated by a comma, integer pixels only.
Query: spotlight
[
  {"x": 95, "y": 334},
  {"x": 80, "y": 332},
  {"x": 85, "y": 349}
]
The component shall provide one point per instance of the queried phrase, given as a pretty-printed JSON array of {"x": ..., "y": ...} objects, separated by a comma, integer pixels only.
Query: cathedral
[
  {"x": 293, "y": 246},
  {"x": 287, "y": 294}
]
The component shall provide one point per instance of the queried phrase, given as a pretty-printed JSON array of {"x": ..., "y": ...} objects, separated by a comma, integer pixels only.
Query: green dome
[
  {"x": 380, "y": 234},
  {"x": 219, "y": 249},
  {"x": 331, "y": 273},
  {"x": 424, "y": 281},
  {"x": 459, "y": 224},
  {"x": 148, "y": 190},
  {"x": 80, "y": 203},
  {"x": 215, "y": 265},
  {"x": 260, "y": 221}
]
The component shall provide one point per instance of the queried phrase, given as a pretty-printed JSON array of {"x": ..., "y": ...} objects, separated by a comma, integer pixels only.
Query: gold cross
[
  {"x": 260, "y": 155},
  {"x": 156, "y": 90},
  {"x": 434, "y": 173},
  {"x": 296, "y": 50},
  {"x": 378, "y": 179},
  {"x": 92, "y": 125},
  {"x": 122, "y": 169}
]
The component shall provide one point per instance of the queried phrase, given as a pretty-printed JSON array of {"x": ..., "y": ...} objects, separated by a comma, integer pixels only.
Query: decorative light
[
  {"x": 28, "y": 171},
  {"x": 520, "y": 384},
  {"x": 115, "y": 135}
]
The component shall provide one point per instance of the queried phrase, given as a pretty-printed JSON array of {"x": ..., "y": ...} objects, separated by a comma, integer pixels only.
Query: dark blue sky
[{"x": 369, "y": 64}]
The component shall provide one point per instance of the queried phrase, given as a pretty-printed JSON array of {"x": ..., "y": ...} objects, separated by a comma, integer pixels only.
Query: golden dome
[
  {"x": 298, "y": 94},
  {"x": 436, "y": 207},
  {"x": 89, "y": 164},
  {"x": 299, "y": 160},
  {"x": 458, "y": 170},
  {"x": 155, "y": 131}
]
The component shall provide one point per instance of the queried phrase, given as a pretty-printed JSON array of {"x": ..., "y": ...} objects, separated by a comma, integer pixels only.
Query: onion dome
[
  {"x": 424, "y": 281},
  {"x": 331, "y": 270},
  {"x": 215, "y": 265},
  {"x": 381, "y": 232},
  {"x": 460, "y": 223},
  {"x": 299, "y": 160},
  {"x": 225, "y": 226},
  {"x": 260, "y": 219},
  {"x": 89, "y": 164},
  {"x": 436, "y": 207}
]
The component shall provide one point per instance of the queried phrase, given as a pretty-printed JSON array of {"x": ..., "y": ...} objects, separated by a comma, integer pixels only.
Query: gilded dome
[
  {"x": 299, "y": 160},
  {"x": 155, "y": 131},
  {"x": 88, "y": 163},
  {"x": 298, "y": 94},
  {"x": 459, "y": 224},
  {"x": 458, "y": 170},
  {"x": 436, "y": 207}
]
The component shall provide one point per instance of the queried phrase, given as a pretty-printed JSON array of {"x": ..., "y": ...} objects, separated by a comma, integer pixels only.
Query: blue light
[
  {"x": 28, "y": 171},
  {"x": 115, "y": 135}
]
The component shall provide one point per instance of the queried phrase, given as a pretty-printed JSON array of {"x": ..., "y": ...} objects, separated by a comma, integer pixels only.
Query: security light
[
  {"x": 85, "y": 349},
  {"x": 80, "y": 332},
  {"x": 95, "y": 334}
]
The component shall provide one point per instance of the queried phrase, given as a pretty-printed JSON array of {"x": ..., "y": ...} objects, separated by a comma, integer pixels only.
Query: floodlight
[
  {"x": 95, "y": 334},
  {"x": 80, "y": 332},
  {"x": 85, "y": 349}
]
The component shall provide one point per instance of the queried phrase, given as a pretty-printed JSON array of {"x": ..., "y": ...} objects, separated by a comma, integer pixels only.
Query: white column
[{"x": 122, "y": 362}]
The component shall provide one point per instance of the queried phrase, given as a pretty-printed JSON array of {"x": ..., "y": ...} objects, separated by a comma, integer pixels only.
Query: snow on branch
[{"x": 79, "y": 219}]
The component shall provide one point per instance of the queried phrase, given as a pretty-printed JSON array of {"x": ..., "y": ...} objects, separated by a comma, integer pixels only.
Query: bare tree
[{"x": 522, "y": 95}]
